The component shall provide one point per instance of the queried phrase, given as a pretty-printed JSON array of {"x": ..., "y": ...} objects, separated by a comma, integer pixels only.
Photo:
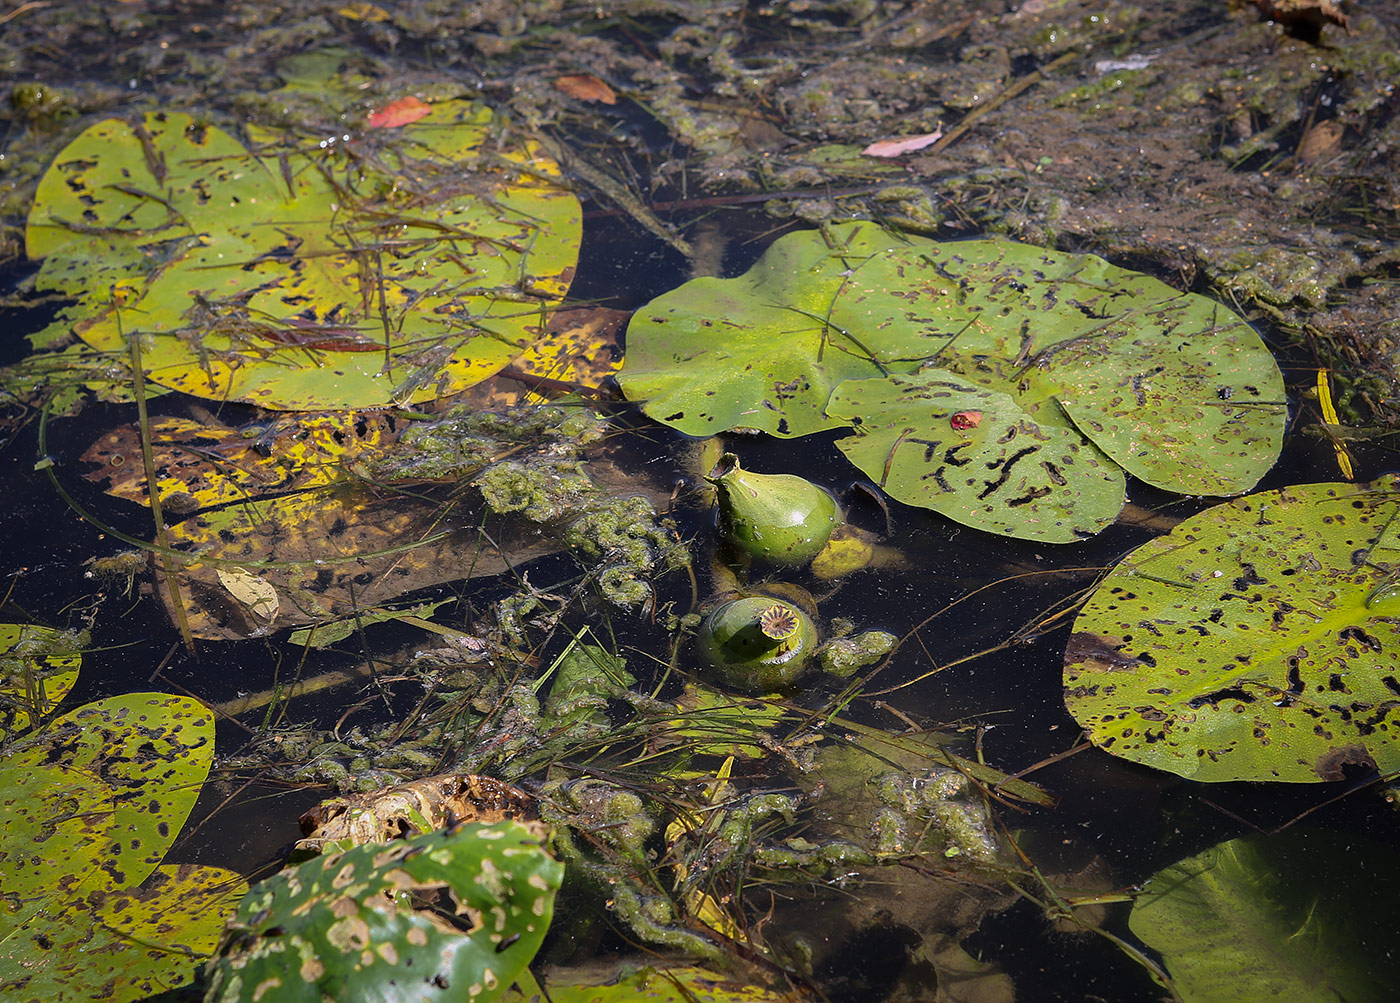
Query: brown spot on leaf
[
  {"x": 1102, "y": 652},
  {"x": 1329, "y": 766}
]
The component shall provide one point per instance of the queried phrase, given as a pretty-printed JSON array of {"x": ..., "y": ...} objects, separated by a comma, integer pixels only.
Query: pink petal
[{"x": 894, "y": 147}]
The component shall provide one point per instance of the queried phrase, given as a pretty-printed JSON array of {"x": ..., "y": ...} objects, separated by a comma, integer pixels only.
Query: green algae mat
[{"x": 1006, "y": 386}]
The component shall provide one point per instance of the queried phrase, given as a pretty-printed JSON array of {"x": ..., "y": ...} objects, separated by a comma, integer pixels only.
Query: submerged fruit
[
  {"x": 781, "y": 518},
  {"x": 758, "y": 643}
]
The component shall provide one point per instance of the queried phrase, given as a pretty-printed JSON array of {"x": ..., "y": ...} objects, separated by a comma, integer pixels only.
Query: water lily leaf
[
  {"x": 1275, "y": 918},
  {"x": 367, "y": 923},
  {"x": 1005, "y": 473},
  {"x": 159, "y": 744},
  {"x": 1170, "y": 386},
  {"x": 1175, "y": 388},
  {"x": 129, "y": 945},
  {"x": 49, "y": 840},
  {"x": 35, "y": 674},
  {"x": 756, "y": 351},
  {"x": 1253, "y": 642},
  {"x": 91, "y": 805},
  {"x": 304, "y": 279}
]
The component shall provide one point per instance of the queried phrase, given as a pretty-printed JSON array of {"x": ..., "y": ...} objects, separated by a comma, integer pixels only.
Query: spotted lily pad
[
  {"x": 450, "y": 915},
  {"x": 1259, "y": 640},
  {"x": 88, "y": 808},
  {"x": 401, "y": 265},
  {"x": 1169, "y": 386},
  {"x": 1006, "y": 473}
]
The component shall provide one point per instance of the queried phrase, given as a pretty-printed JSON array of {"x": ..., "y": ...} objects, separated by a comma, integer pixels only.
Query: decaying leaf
[
  {"x": 411, "y": 809},
  {"x": 255, "y": 594},
  {"x": 201, "y": 464}
]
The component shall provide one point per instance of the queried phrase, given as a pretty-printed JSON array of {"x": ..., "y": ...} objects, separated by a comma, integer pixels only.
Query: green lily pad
[
  {"x": 756, "y": 351},
  {"x": 1008, "y": 473},
  {"x": 1170, "y": 386},
  {"x": 1300, "y": 915},
  {"x": 396, "y": 266},
  {"x": 449, "y": 915},
  {"x": 1256, "y": 641}
]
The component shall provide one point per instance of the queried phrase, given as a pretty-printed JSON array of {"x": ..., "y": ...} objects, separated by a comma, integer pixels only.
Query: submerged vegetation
[{"x": 423, "y": 539}]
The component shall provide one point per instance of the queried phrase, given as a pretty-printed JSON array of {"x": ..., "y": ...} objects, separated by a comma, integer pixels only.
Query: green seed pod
[
  {"x": 781, "y": 518},
  {"x": 758, "y": 643}
]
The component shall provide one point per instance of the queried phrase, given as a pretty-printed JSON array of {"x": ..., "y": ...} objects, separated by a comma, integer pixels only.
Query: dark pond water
[{"x": 989, "y": 613}]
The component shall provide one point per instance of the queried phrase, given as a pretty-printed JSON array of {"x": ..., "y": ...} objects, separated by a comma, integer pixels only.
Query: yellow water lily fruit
[
  {"x": 780, "y": 518},
  {"x": 758, "y": 643}
]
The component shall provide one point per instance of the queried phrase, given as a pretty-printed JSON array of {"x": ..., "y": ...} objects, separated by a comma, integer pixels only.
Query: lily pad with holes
[
  {"x": 401, "y": 265},
  {"x": 1169, "y": 386},
  {"x": 450, "y": 915},
  {"x": 1003, "y": 471},
  {"x": 1259, "y": 640}
]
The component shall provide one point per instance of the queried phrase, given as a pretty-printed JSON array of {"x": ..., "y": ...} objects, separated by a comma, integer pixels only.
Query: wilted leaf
[
  {"x": 448, "y": 799},
  {"x": 1253, "y": 642},
  {"x": 303, "y": 279},
  {"x": 1300, "y": 915},
  {"x": 255, "y": 594},
  {"x": 203, "y": 464},
  {"x": 329, "y": 554}
]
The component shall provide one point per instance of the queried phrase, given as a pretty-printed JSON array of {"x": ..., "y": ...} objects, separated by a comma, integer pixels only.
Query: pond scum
[{"x": 570, "y": 686}]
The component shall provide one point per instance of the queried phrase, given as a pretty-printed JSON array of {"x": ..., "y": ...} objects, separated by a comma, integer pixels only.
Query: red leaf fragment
[
  {"x": 586, "y": 87},
  {"x": 398, "y": 113},
  {"x": 965, "y": 420}
]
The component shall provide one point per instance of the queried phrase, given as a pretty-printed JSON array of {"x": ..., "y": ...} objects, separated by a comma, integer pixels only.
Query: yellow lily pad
[{"x": 398, "y": 266}]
